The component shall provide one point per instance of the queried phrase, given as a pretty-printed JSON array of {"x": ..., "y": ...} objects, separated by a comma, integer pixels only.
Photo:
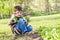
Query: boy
[{"x": 17, "y": 23}]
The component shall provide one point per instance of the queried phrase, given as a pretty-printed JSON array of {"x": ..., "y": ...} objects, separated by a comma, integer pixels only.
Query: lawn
[{"x": 36, "y": 22}]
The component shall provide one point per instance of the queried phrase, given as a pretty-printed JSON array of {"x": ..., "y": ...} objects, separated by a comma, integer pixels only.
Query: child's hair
[{"x": 19, "y": 8}]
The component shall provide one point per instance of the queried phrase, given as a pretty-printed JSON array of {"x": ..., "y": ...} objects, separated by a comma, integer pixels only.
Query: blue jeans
[{"x": 22, "y": 26}]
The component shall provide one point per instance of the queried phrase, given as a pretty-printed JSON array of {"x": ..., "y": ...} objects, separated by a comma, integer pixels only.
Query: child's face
[{"x": 18, "y": 13}]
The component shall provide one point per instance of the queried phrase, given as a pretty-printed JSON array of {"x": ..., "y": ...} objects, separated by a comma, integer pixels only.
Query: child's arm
[{"x": 12, "y": 17}]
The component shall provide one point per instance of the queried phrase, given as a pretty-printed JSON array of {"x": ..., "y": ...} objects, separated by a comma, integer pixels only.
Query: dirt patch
[{"x": 33, "y": 35}]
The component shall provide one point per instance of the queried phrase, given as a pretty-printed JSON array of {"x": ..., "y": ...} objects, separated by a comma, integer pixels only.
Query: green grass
[
  {"x": 48, "y": 26},
  {"x": 36, "y": 22},
  {"x": 48, "y": 21}
]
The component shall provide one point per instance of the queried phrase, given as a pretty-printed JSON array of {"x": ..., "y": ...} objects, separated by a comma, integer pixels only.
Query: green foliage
[
  {"x": 6, "y": 7},
  {"x": 49, "y": 33},
  {"x": 32, "y": 13}
]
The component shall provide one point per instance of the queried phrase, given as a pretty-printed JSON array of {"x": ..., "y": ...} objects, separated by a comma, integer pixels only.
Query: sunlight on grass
[
  {"x": 48, "y": 21},
  {"x": 36, "y": 22}
]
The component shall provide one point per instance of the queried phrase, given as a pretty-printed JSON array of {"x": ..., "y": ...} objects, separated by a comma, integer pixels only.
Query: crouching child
[{"x": 17, "y": 23}]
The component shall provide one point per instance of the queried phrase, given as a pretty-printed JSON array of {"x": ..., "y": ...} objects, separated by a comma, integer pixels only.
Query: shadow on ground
[{"x": 33, "y": 35}]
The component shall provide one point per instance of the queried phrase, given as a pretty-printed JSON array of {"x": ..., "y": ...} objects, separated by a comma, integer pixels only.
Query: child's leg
[
  {"x": 29, "y": 28},
  {"x": 12, "y": 28},
  {"x": 21, "y": 26}
]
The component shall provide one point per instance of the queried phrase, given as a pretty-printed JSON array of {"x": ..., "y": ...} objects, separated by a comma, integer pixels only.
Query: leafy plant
[{"x": 49, "y": 33}]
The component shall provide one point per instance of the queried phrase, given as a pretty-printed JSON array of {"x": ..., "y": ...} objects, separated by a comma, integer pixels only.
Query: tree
[{"x": 47, "y": 6}]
